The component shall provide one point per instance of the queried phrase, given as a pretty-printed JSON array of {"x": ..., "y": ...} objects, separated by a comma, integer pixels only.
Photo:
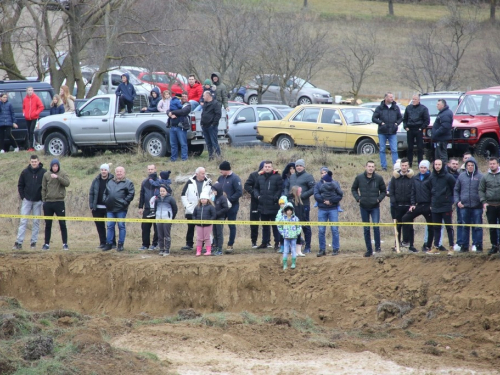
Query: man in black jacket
[
  {"x": 268, "y": 192},
  {"x": 388, "y": 117},
  {"x": 231, "y": 184},
  {"x": 179, "y": 124},
  {"x": 415, "y": 120},
  {"x": 254, "y": 204},
  {"x": 118, "y": 195},
  {"x": 210, "y": 124},
  {"x": 441, "y": 130},
  {"x": 369, "y": 190},
  {"x": 29, "y": 187},
  {"x": 146, "y": 193},
  {"x": 96, "y": 203}
]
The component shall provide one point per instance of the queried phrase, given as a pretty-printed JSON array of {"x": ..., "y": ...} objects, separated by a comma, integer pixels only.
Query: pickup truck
[{"x": 97, "y": 126}]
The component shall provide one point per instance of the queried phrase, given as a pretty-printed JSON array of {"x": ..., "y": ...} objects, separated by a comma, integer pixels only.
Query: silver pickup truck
[{"x": 97, "y": 126}]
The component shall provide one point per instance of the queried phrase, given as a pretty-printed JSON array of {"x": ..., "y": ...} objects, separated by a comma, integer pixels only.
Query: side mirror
[
  {"x": 240, "y": 119},
  {"x": 337, "y": 121},
  {"x": 77, "y": 112}
]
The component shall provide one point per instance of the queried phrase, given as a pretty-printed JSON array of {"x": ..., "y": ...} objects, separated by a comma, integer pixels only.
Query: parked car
[
  {"x": 283, "y": 108},
  {"x": 163, "y": 81},
  {"x": 430, "y": 100},
  {"x": 337, "y": 127},
  {"x": 297, "y": 92}
]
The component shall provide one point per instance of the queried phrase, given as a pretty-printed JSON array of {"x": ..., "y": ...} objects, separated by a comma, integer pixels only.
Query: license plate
[{"x": 448, "y": 145}]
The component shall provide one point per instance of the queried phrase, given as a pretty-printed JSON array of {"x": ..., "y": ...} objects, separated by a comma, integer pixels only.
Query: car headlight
[
  {"x": 466, "y": 133},
  {"x": 429, "y": 132},
  {"x": 317, "y": 95}
]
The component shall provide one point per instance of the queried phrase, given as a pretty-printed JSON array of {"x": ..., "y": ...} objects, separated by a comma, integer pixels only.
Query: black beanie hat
[
  {"x": 225, "y": 166},
  {"x": 328, "y": 177}
]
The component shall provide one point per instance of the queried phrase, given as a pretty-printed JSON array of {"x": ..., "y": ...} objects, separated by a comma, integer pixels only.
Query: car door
[
  {"x": 94, "y": 124},
  {"x": 332, "y": 128},
  {"x": 242, "y": 131},
  {"x": 304, "y": 126},
  {"x": 272, "y": 94},
  {"x": 358, "y": 123}
]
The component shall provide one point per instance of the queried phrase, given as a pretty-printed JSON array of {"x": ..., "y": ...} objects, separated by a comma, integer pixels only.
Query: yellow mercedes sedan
[{"x": 337, "y": 127}]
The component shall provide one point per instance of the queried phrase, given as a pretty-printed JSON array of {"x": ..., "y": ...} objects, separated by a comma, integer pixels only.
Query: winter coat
[
  {"x": 147, "y": 191},
  {"x": 420, "y": 189},
  {"x": 153, "y": 102},
  {"x": 489, "y": 188},
  {"x": 94, "y": 190},
  {"x": 298, "y": 208},
  {"x": 165, "y": 207},
  {"x": 220, "y": 202},
  {"x": 285, "y": 175},
  {"x": 400, "y": 188},
  {"x": 69, "y": 106},
  {"x": 127, "y": 90},
  {"x": 118, "y": 195},
  {"x": 441, "y": 130},
  {"x": 391, "y": 117},
  {"x": 220, "y": 89},
  {"x": 175, "y": 104},
  {"x": 7, "y": 117},
  {"x": 29, "y": 185},
  {"x": 204, "y": 212},
  {"x": 32, "y": 107},
  {"x": 249, "y": 188},
  {"x": 368, "y": 192},
  {"x": 232, "y": 187},
  {"x": 328, "y": 191},
  {"x": 292, "y": 230},
  {"x": 416, "y": 117},
  {"x": 268, "y": 192},
  {"x": 57, "y": 110},
  {"x": 190, "y": 195},
  {"x": 441, "y": 184},
  {"x": 54, "y": 189},
  {"x": 306, "y": 182},
  {"x": 211, "y": 114},
  {"x": 467, "y": 187},
  {"x": 163, "y": 105},
  {"x": 195, "y": 91},
  {"x": 181, "y": 114}
]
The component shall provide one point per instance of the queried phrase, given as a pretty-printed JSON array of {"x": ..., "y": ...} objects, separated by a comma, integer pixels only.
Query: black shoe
[
  {"x": 335, "y": 252},
  {"x": 412, "y": 249},
  {"x": 187, "y": 248},
  {"x": 321, "y": 253},
  {"x": 113, "y": 246},
  {"x": 101, "y": 246},
  {"x": 276, "y": 246},
  {"x": 368, "y": 254},
  {"x": 425, "y": 249},
  {"x": 405, "y": 244},
  {"x": 378, "y": 250},
  {"x": 493, "y": 250},
  {"x": 262, "y": 246},
  {"x": 442, "y": 248},
  {"x": 385, "y": 170},
  {"x": 120, "y": 247},
  {"x": 254, "y": 245},
  {"x": 107, "y": 247},
  {"x": 464, "y": 249},
  {"x": 166, "y": 253}
]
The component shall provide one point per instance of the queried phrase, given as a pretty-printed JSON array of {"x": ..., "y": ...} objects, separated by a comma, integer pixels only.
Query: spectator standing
[
  {"x": 468, "y": 201},
  {"x": 29, "y": 187},
  {"x": 442, "y": 185},
  {"x": 32, "y": 107},
  {"x": 164, "y": 103},
  {"x": 195, "y": 90},
  {"x": 210, "y": 124},
  {"x": 163, "y": 180},
  {"x": 56, "y": 106},
  {"x": 466, "y": 157},
  {"x": 453, "y": 169},
  {"x": 328, "y": 194},
  {"x": 67, "y": 99},
  {"x": 268, "y": 191},
  {"x": 179, "y": 125},
  {"x": 287, "y": 172},
  {"x": 231, "y": 185},
  {"x": 146, "y": 193},
  {"x": 54, "y": 184},
  {"x": 221, "y": 209},
  {"x": 388, "y": 117},
  {"x": 298, "y": 209},
  {"x": 369, "y": 190},
  {"x": 7, "y": 122},
  {"x": 204, "y": 210},
  {"x": 166, "y": 209},
  {"x": 118, "y": 195},
  {"x": 306, "y": 182},
  {"x": 126, "y": 94},
  {"x": 220, "y": 90},
  {"x": 154, "y": 99},
  {"x": 415, "y": 120},
  {"x": 290, "y": 232},
  {"x": 207, "y": 86},
  {"x": 96, "y": 203},
  {"x": 441, "y": 130},
  {"x": 254, "y": 204},
  {"x": 489, "y": 193},
  {"x": 190, "y": 197}
]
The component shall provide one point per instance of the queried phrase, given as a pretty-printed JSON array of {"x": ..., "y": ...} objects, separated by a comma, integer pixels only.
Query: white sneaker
[
  {"x": 474, "y": 248},
  {"x": 16, "y": 149},
  {"x": 2, "y": 152},
  {"x": 456, "y": 247}
]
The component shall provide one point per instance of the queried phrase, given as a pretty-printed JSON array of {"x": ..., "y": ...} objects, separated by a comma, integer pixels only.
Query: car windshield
[
  {"x": 479, "y": 104},
  {"x": 303, "y": 84},
  {"x": 431, "y": 104},
  {"x": 357, "y": 116}
]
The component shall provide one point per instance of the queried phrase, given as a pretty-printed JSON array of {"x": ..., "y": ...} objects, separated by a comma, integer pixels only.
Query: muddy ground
[{"x": 406, "y": 314}]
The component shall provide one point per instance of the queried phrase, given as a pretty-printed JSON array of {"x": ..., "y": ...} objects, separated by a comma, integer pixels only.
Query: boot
[
  {"x": 282, "y": 248},
  {"x": 321, "y": 253},
  {"x": 209, "y": 251},
  {"x": 293, "y": 263},
  {"x": 198, "y": 251},
  {"x": 285, "y": 263},
  {"x": 298, "y": 249}
]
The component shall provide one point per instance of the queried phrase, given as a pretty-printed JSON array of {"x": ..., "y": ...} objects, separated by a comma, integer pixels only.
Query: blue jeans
[
  {"x": 307, "y": 228},
  {"x": 210, "y": 135},
  {"x": 460, "y": 229},
  {"x": 289, "y": 246},
  {"x": 393, "y": 143},
  {"x": 333, "y": 217},
  {"x": 177, "y": 135},
  {"x": 111, "y": 227},
  {"x": 231, "y": 216},
  {"x": 472, "y": 216},
  {"x": 194, "y": 104},
  {"x": 365, "y": 218}
]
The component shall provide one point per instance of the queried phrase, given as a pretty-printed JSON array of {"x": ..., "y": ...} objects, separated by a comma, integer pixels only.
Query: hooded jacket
[
  {"x": 220, "y": 202},
  {"x": 280, "y": 211},
  {"x": 181, "y": 115},
  {"x": 29, "y": 185},
  {"x": 391, "y": 117},
  {"x": 231, "y": 185},
  {"x": 195, "y": 91},
  {"x": 285, "y": 175},
  {"x": 489, "y": 188},
  {"x": 118, "y": 195},
  {"x": 163, "y": 105},
  {"x": 416, "y": 117},
  {"x": 165, "y": 207},
  {"x": 127, "y": 90},
  {"x": 441, "y": 130},
  {"x": 420, "y": 189},
  {"x": 153, "y": 102},
  {"x": 94, "y": 190},
  {"x": 441, "y": 184},
  {"x": 306, "y": 182},
  {"x": 369, "y": 191},
  {"x": 268, "y": 191},
  {"x": 7, "y": 117},
  {"x": 249, "y": 188},
  {"x": 328, "y": 191},
  {"x": 220, "y": 89},
  {"x": 57, "y": 110},
  {"x": 467, "y": 187},
  {"x": 204, "y": 212},
  {"x": 400, "y": 188},
  {"x": 32, "y": 107},
  {"x": 147, "y": 191},
  {"x": 211, "y": 114},
  {"x": 190, "y": 195},
  {"x": 292, "y": 230},
  {"x": 54, "y": 189}
]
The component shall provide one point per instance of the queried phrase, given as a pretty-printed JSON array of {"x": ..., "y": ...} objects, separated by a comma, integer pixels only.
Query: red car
[{"x": 163, "y": 81}]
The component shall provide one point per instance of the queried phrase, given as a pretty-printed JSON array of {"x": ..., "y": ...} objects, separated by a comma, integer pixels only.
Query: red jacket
[
  {"x": 194, "y": 93},
  {"x": 32, "y": 107}
]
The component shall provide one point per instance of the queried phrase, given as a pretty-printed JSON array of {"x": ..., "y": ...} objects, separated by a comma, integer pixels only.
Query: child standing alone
[
  {"x": 205, "y": 210},
  {"x": 290, "y": 232},
  {"x": 166, "y": 209}
]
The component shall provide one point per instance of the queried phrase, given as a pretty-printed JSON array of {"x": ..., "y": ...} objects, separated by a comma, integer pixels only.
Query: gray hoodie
[{"x": 467, "y": 187}]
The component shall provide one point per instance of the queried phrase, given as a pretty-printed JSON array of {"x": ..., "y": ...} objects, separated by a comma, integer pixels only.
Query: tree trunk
[
  {"x": 391, "y": 8},
  {"x": 493, "y": 5},
  {"x": 305, "y": 3}
]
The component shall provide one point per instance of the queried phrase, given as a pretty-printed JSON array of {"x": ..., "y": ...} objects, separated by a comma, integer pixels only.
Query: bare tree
[
  {"x": 10, "y": 12},
  {"x": 491, "y": 67},
  {"x": 493, "y": 6},
  {"x": 391, "y": 8}
]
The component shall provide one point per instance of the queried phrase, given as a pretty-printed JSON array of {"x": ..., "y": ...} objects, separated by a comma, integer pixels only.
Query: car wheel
[
  {"x": 239, "y": 98},
  {"x": 304, "y": 100},
  {"x": 155, "y": 144},
  {"x": 253, "y": 100},
  {"x": 56, "y": 144},
  {"x": 284, "y": 142},
  {"x": 196, "y": 150},
  {"x": 487, "y": 147},
  {"x": 366, "y": 147}
]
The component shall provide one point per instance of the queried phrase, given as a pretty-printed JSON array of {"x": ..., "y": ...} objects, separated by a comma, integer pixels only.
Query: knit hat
[
  {"x": 261, "y": 165},
  {"x": 167, "y": 188},
  {"x": 328, "y": 177},
  {"x": 53, "y": 162},
  {"x": 425, "y": 163},
  {"x": 164, "y": 175},
  {"x": 324, "y": 169},
  {"x": 281, "y": 201},
  {"x": 105, "y": 166},
  {"x": 300, "y": 162},
  {"x": 178, "y": 95},
  {"x": 204, "y": 196},
  {"x": 208, "y": 81},
  {"x": 225, "y": 166}
]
